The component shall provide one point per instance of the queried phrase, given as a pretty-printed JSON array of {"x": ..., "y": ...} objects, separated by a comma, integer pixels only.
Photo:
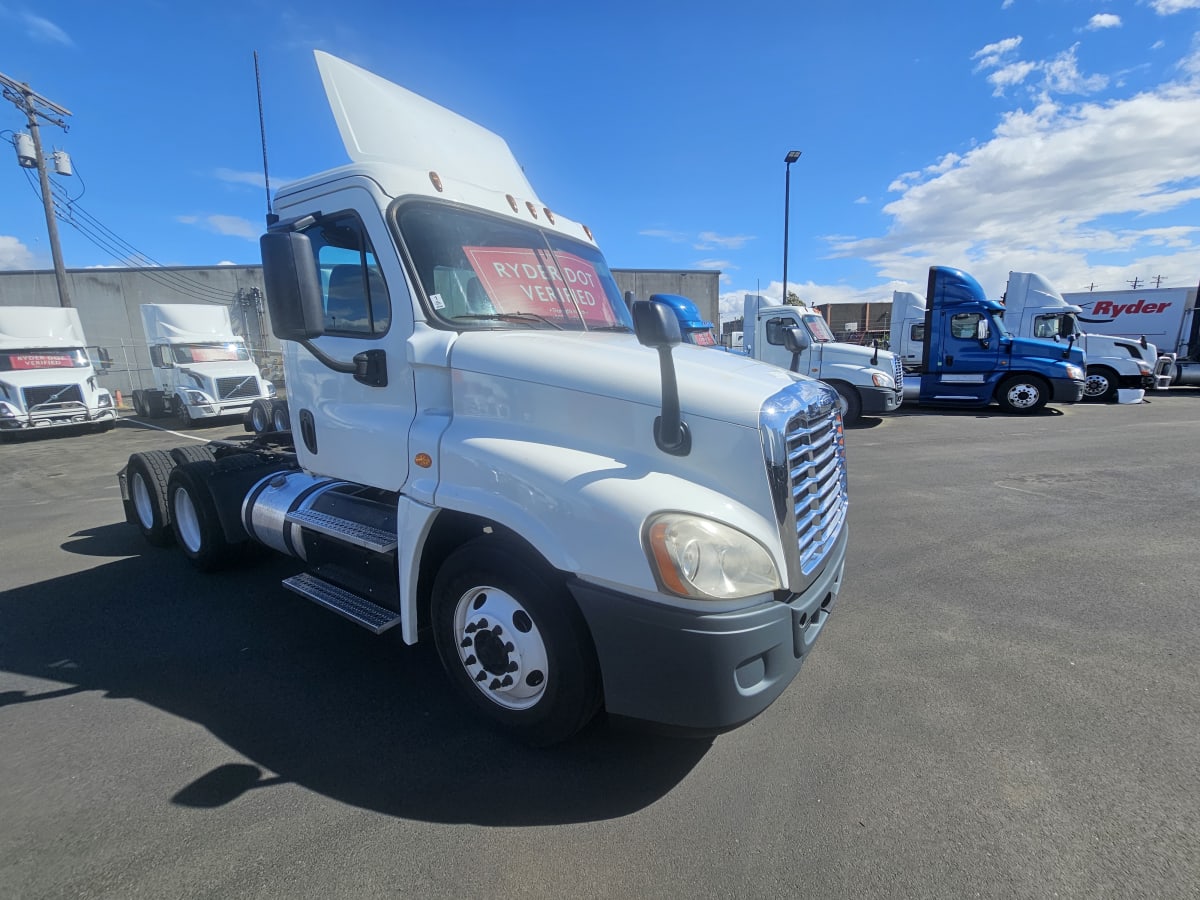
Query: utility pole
[
  {"x": 1158, "y": 280},
  {"x": 1135, "y": 283},
  {"x": 35, "y": 105}
]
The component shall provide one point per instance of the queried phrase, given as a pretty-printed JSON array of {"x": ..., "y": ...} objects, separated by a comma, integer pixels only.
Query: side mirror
[
  {"x": 293, "y": 286},
  {"x": 795, "y": 342},
  {"x": 655, "y": 325}
]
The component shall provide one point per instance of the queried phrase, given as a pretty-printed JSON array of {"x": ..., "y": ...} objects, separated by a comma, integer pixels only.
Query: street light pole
[
  {"x": 29, "y": 103},
  {"x": 791, "y": 157}
]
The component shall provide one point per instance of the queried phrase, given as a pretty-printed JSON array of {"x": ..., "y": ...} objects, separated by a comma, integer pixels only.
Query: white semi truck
[
  {"x": 202, "y": 369},
  {"x": 867, "y": 379},
  {"x": 1033, "y": 308},
  {"x": 1162, "y": 316},
  {"x": 47, "y": 379},
  {"x": 488, "y": 448}
]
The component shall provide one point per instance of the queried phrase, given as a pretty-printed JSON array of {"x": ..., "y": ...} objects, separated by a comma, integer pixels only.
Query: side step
[
  {"x": 351, "y": 532},
  {"x": 369, "y": 615}
]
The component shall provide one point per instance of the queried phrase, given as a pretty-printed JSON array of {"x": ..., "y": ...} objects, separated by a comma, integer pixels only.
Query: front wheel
[
  {"x": 1022, "y": 394},
  {"x": 848, "y": 402},
  {"x": 513, "y": 642},
  {"x": 1101, "y": 385}
]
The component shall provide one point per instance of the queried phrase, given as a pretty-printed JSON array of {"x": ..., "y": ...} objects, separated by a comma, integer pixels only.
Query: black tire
[
  {"x": 192, "y": 453},
  {"x": 849, "y": 401},
  {"x": 156, "y": 404},
  {"x": 514, "y": 643},
  {"x": 1101, "y": 385},
  {"x": 1022, "y": 394},
  {"x": 280, "y": 420},
  {"x": 139, "y": 404},
  {"x": 260, "y": 417},
  {"x": 194, "y": 518},
  {"x": 185, "y": 417},
  {"x": 146, "y": 477}
]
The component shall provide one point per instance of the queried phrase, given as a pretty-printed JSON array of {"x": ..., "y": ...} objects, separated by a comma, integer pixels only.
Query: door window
[{"x": 354, "y": 291}]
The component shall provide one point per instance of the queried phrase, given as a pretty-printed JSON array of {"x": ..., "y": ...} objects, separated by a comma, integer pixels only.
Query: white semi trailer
[
  {"x": 490, "y": 449},
  {"x": 47, "y": 379}
]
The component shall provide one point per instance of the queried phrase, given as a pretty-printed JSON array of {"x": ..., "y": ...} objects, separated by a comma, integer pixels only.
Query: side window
[
  {"x": 965, "y": 325},
  {"x": 775, "y": 330},
  {"x": 917, "y": 332},
  {"x": 1045, "y": 327},
  {"x": 355, "y": 294}
]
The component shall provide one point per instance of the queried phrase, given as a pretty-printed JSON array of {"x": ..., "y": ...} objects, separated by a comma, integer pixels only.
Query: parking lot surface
[{"x": 1006, "y": 703}]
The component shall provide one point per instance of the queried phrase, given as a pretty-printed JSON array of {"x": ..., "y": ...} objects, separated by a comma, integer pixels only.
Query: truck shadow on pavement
[{"x": 307, "y": 697}]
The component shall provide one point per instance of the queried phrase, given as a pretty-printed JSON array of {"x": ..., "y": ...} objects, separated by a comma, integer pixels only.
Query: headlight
[
  {"x": 271, "y": 392},
  {"x": 1144, "y": 368},
  {"x": 883, "y": 380},
  {"x": 104, "y": 401},
  {"x": 6, "y": 411},
  {"x": 695, "y": 557},
  {"x": 1074, "y": 372},
  {"x": 196, "y": 398}
]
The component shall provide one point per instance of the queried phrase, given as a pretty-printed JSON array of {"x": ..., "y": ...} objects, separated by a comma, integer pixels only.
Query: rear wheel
[
  {"x": 146, "y": 478},
  {"x": 514, "y": 643},
  {"x": 260, "y": 417},
  {"x": 280, "y": 420},
  {"x": 848, "y": 402},
  {"x": 1022, "y": 394},
  {"x": 1101, "y": 385},
  {"x": 194, "y": 517},
  {"x": 139, "y": 404}
]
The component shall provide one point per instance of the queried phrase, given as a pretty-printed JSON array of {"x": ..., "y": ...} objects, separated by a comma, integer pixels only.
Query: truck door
[
  {"x": 342, "y": 427},
  {"x": 771, "y": 349},
  {"x": 967, "y": 356}
]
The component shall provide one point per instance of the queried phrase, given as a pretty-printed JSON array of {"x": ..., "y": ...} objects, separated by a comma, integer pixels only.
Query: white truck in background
[
  {"x": 868, "y": 380},
  {"x": 1164, "y": 317},
  {"x": 490, "y": 450},
  {"x": 1033, "y": 308},
  {"x": 202, "y": 369},
  {"x": 47, "y": 379}
]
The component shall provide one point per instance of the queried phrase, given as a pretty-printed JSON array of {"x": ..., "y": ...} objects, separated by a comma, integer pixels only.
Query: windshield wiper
[
  {"x": 624, "y": 328},
  {"x": 523, "y": 317}
]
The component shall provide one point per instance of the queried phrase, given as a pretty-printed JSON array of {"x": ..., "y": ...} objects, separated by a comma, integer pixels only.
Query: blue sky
[{"x": 1055, "y": 136}]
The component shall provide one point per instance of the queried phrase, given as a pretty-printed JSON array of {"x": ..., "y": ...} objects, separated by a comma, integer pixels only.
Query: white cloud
[
  {"x": 14, "y": 254},
  {"x": 1045, "y": 192},
  {"x": 1006, "y": 4},
  {"x": 861, "y": 200},
  {"x": 234, "y": 226},
  {"x": 675, "y": 237},
  {"x": 235, "y": 177},
  {"x": 992, "y": 55},
  {"x": 707, "y": 239},
  {"x": 1103, "y": 20},
  {"x": 45, "y": 31},
  {"x": 1168, "y": 7},
  {"x": 713, "y": 264}
]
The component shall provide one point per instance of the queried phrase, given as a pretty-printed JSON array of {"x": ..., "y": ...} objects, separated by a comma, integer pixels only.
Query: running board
[
  {"x": 357, "y": 609},
  {"x": 351, "y": 532}
]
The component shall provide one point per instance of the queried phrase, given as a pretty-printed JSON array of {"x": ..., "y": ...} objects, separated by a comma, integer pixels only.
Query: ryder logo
[{"x": 1114, "y": 310}]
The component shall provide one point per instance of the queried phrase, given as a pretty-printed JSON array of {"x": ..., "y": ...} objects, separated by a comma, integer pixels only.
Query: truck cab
[
  {"x": 1033, "y": 308},
  {"x": 47, "y": 379},
  {"x": 964, "y": 355},
  {"x": 491, "y": 450},
  {"x": 202, "y": 370},
  {"x": 868, "y": 380}
]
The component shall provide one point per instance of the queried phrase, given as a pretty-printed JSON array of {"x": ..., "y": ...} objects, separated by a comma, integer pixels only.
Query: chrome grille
[
  {"x": 898, "y": 371},
  {"x": 237, "y": 387},
  {"x": 51, "y": 393},
  {"x": 817, "y": 476},
  {"x": 805, "y": 453}
]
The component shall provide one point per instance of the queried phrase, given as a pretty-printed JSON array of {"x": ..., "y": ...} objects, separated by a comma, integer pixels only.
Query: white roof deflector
[{"x": 382, "y": 122}]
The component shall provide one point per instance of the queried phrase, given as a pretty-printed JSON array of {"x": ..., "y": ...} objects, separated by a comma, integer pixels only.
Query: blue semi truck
[{"x": 958, "y": 352}]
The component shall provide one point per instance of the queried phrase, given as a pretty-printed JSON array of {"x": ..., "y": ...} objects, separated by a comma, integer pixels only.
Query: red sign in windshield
[
  {"x": 563, "y": 286},
  {"x": 21, "y": 361}
]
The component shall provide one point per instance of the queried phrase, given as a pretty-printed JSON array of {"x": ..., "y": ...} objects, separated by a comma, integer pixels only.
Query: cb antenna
[{"x": 262, "y": 130}]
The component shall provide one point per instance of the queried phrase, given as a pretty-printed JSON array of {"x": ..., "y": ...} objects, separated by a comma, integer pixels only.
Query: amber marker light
[
  {"x": 549, "y": 215},
  {"x": 436, "y": 180},
  {"x": 424, "y": 460},
  {"x": 588, "y": 232},
  {"x": 512, "y": 201},
  {"x": 666, "y": 565},
  {"x": 532, "y": 209}
]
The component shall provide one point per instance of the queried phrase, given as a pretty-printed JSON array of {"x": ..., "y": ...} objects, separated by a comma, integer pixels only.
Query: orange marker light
[
  {"x": 512, "y": 201},
  {"x": 436, "y": 180},
  {"x": 424, "y": 460}
]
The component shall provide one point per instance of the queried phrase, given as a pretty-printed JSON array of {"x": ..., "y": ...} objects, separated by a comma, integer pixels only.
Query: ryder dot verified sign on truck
[{"x": 515, "y": 278}]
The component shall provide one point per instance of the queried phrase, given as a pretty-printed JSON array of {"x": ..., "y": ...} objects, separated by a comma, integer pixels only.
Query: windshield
[
  {"x": 205, "y": 353},
  {"x": 998, "y": 324},
  {"x": 817, "y": 327},
  {"x": 481, "y": 271},
  {"x": 54, "y": 358}
]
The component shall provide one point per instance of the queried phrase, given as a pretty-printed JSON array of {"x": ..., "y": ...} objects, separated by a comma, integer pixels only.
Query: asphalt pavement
[{"x": 1006, "y": 703}]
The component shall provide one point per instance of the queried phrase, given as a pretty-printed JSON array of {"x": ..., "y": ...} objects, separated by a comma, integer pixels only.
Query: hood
[
  {"x": 34, "y": 377},
  {"x": 857, "y": 354},
  {"x": 725, "y": 387},
  {"x": 243, "y": 368},
  {"x": 185, "y": 323},
  {"x": 1051, "y": 350}
]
